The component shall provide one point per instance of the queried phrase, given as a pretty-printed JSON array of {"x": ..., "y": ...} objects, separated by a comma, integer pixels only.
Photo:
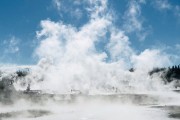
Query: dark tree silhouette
[
  {"x": 131, "y": 70},
  {"x": 168, "y": 74}
]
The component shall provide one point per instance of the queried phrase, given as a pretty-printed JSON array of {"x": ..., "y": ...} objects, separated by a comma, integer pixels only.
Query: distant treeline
[
  {"x": 173, "y": 72},
  {"x": 6, "y": 82},
  {"x": 167, "y": 74}
]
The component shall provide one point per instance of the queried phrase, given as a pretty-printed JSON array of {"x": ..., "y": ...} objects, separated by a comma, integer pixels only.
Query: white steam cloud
[{"x": 70, "y": 60}]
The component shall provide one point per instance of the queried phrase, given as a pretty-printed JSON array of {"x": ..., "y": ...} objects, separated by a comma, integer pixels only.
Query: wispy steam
[
  {"x": 12, "y": 45},
  {"x": 134, "y": 21},
  {"x": 162, "y": 4},
  {"x": 93, "y": 66},
  {"x": 70, "y": 60}
]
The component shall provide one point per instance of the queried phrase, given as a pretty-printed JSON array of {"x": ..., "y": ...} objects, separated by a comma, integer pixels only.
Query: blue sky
[{"x": 152, "y": 24}]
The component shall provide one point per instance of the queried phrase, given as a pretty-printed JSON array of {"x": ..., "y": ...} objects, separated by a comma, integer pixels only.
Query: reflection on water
[
  {"x": 94, "y": 107},
  {"x": 25, "y": 113}
]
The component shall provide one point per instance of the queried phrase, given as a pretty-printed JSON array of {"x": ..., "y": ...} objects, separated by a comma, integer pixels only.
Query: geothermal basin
[{"x": 104, "y": 106}]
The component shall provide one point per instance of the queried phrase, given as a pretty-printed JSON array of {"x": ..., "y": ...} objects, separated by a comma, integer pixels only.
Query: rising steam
[
  {"x": 70, "y": 59},
  {"x": 93, "y": 59}
]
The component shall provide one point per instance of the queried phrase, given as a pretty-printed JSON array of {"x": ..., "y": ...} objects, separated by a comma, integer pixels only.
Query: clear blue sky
[{"x": 20, "y": 19}]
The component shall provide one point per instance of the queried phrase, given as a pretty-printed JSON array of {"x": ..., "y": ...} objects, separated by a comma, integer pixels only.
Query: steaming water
[
  {"x": 95, "y": 111},
  {"x": 70, "y": 60},
  {"x": 152, "y": 106}
]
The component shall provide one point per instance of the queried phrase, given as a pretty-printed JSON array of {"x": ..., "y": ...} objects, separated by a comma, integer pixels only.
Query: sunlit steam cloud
[
  {"x": 69, "y": 58},
  {"x": 90, "y": 71}
]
